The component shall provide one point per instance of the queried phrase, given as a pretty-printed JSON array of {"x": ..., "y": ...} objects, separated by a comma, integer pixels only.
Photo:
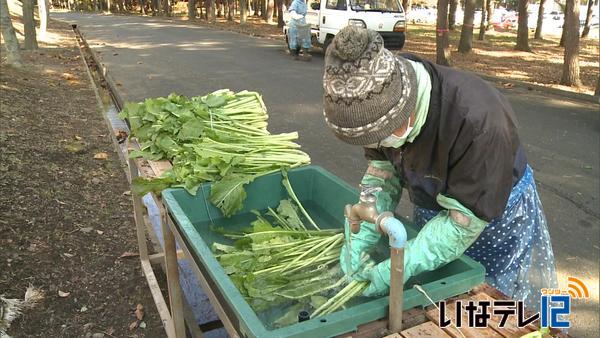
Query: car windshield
[{"x": 376, "y": 5}]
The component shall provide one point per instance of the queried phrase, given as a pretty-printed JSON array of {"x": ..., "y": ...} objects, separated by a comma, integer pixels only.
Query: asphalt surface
[{"x": 151, "y": 57}]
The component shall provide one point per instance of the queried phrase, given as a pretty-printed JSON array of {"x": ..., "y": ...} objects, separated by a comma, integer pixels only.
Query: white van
[{"x": 327, "y": 17}]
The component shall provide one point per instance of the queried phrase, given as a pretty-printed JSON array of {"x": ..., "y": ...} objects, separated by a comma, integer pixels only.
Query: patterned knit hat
[{"x": 369, "y": 93}]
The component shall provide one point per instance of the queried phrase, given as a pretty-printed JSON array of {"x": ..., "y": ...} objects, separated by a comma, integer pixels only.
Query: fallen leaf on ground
[
  {"x": 142, "y": 325},
  {"x": 78, "y": 138},
  {"x": 139, "y": 312},
  {"x": 101, "y": 156},
  {"x": 100, "y": 232},
  {"x": 68, "y": 255},
  {"x": 129, "y": 254},
  {"x": 86, "y": 229},
  {"x": 83, "y": 309},
  {"x": 133, "y": 325},
  {"x": 62, "y": 294},
  {"x": 127, "y": 193}
]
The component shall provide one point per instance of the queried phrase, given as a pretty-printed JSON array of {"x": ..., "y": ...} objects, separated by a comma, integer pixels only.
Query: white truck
[{"x": 327, "y": 17}]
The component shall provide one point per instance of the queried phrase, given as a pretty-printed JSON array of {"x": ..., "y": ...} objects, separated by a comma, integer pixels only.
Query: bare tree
[
  {"x": 570, "y": 75},
  {"x": 482, "y": 24},
  {"x": 280, "y": 22},
  {"x": 43, "y": 9},
  {"x": 243, "y": 11},
  {"x": 441, "y": 36},
  {"x": 13, "y": 55},
  {"x": 523, "y": 29},
  {"x": 270, "y": 7},
  {"x": 466, "y": 34},
  {"x": 406, "y": 5},
  {"x": 588, "y": 19},
  {"x": 212, "y": 14},
  {"x": 490, "y": 13},
  {"x": 540, "y": 20},
  {"x": 191, "y": 9},
  {"x": 29, "y": 25},
  {"x": 452, "y": 14},
  {"x": 230, "y": 10}
]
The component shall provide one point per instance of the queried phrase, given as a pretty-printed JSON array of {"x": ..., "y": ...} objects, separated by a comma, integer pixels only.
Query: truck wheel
[{"x": 327, "y": 42}]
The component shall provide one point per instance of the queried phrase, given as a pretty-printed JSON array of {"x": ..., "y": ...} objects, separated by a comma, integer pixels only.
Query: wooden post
[{"x": 175, "y": 294}]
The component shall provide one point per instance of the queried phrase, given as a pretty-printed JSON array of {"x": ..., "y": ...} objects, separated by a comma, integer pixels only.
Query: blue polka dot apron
[{"x": 515, "y": 248}]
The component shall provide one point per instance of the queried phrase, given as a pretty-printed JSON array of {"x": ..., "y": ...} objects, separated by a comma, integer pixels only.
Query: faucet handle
[{"x": 367, "y": 191}]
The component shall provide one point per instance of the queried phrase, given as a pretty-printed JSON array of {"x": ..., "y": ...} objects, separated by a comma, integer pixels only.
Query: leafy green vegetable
[
  {"x": 228, "y": 194},
  {"x": 209, "y": 138}
]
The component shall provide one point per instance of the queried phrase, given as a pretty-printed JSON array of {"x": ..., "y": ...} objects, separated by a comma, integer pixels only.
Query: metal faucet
[{"x": 385, "y": 223}]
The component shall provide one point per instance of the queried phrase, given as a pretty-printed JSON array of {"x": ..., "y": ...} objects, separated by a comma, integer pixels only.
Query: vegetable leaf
[{"x": 228, "y": 194}]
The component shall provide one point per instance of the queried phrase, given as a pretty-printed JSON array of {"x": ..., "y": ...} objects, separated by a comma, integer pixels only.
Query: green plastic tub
[{"x": 324, "y": 196}]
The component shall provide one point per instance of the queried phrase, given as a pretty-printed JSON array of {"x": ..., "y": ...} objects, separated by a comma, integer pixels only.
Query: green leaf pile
[
  {"x": 221, "y": 137},
  {"x": 278, "y": 263}
]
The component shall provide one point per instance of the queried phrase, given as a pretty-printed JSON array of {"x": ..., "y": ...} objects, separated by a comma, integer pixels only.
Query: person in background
[
  {"x": 450, "y": 140},
  {"x": 296, "y": 34}
]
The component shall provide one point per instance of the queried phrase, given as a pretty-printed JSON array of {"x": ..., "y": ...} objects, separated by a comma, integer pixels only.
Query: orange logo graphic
[{"x": 577, "y": 289}]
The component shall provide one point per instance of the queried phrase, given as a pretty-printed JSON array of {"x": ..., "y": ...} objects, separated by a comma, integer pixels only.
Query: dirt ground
[{"x": 65, "y": 214}]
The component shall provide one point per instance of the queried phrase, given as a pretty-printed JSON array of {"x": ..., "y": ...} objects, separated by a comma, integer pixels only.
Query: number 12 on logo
[{"x": 551, "y": 310}]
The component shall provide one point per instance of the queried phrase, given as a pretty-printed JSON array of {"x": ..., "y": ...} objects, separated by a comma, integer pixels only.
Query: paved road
[{"x": 152, "y": 57}]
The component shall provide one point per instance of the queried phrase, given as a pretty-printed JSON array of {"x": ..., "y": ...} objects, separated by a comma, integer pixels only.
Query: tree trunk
[
  {"x": 143, "y": 7},
  {"x": 588, "y": 19},
  {"x": 243, "y": 11},
  {"x": 441, "y": 40},
  {"x": 13, "y": 55},
  {"x": 167, "y": 7},
  {"x": 566, "y": 10},
  {"x": 482, "y": 25},
  {"x": 213, "y": 17},
  {"x": 406, "y": 5},
  {"x": 597, "y": 92},
  {"x": 280, "y": 22},
  {"x": 29, "y": 25},
  {"x": 43, "y": 14},
  {"x": 191, "y": 10},
  {"x": 108, "y": 9},
  {"x": 452, "y": 14},
  {"x": 270, "y": 7},
  {"x": 570, "y": 75},
  {"x": 466, "y": 34},
  {"x": 540, "y": 20},
  {"x": 490, "y": 13},
  {"x": 230, "y": 10},
  {"x": 523, "y": 30}
]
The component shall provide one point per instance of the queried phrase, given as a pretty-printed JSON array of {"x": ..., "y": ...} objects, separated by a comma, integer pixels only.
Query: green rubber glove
[
  {"x": 380, "y": 174},
  {"x": 443, "y": 239}
]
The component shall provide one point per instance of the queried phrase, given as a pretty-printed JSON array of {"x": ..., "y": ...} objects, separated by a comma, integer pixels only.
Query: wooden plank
[
  {"x": 227, "y": 323},
  {"x": 433, "y": 315},
  {"x": 425, "y": 330},
  {"x": 159, "y": 167},
  {"x": 175, "y": 293},
  {"x": 159, "y": 300},
  {"x": 159, "y": 257}
]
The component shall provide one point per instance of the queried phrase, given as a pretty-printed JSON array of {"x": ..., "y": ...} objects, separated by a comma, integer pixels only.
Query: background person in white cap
[{"x": 450, "y": 140}]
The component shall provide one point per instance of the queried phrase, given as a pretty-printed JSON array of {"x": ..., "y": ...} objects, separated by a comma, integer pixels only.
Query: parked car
[{"x": 328, "y": 17}]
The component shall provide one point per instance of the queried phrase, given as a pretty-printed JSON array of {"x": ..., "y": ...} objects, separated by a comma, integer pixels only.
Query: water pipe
[{"x": 386, "y": 223}]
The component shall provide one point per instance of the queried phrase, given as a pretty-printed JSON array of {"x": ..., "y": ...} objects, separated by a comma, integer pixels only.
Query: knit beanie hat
[{"x": 369, "y": 93}]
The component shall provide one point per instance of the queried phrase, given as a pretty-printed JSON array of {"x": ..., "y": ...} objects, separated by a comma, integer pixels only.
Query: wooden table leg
[{"x": 175, "y": 294}]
